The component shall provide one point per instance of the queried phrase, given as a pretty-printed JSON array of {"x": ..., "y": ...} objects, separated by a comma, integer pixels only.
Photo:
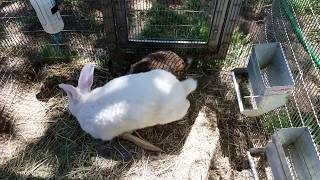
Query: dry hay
[
  {"x": 52, "y": 144},
  {"x": 61, "y": 148}
]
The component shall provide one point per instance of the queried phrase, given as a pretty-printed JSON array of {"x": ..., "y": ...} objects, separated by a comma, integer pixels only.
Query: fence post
[{"x": 109, "y": 24}]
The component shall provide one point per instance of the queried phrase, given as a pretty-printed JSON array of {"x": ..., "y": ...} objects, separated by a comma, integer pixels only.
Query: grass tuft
[
  {"x": 53, "y": 52},
  {"x": 165, "y": 23}
]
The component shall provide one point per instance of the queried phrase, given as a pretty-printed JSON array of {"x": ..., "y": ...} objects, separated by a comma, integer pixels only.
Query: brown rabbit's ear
[
  {"x": 86, "y": 78},
  {"x": 71, "y": 91}
]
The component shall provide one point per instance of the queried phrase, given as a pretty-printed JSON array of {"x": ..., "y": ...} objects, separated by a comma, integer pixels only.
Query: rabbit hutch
[{"x": 254, "y": 115}]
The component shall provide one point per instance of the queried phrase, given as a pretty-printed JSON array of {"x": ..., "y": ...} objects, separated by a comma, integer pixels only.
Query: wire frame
[
  {"x": 171, "y": 20},
  {"x": 298, "y": 33},
  {"x": 21, "y": 33},
  {"x": 303, "y": 109}
]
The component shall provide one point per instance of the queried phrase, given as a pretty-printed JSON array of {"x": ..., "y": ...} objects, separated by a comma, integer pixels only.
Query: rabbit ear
[
  {"x": 86, "y": 78},
  {"x": 71, "y": 91}
]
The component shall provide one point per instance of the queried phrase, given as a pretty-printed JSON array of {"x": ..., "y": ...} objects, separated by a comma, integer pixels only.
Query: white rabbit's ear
[
  {"x": 86, "y": 78},
  {"x": 71, "y": 91}
]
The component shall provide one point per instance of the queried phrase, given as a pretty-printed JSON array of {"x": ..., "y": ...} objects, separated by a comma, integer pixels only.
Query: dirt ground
[{"x": 41, "y": 139}]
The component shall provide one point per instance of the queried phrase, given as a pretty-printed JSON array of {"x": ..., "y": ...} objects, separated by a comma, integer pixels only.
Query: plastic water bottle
[{"x": 48, "y": 15}]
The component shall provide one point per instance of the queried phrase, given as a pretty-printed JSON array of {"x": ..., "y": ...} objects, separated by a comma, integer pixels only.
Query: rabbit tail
[
  {"x": 189, "y": 85},
  {"x": 189, "y": 62}
]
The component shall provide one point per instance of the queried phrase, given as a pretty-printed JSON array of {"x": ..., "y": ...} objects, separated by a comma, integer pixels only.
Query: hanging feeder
[
  {"x": 291, "y": 155},
  {"x": 266, "y": 83}
]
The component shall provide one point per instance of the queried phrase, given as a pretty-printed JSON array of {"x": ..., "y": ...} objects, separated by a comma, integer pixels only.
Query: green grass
[
  {"x": 240, "y": 39},
  {"x": 195, "y": 5},
  {"x": 276, "y": 121},
  {"x": 304, "y": 7},
  {"x": 163, "y": 22},
  {"x": 85, "y": 10},
  {"x": 52, "y": 52},
  {"x": 71, "y": 3},
  {"x": 239, "y": 49}
]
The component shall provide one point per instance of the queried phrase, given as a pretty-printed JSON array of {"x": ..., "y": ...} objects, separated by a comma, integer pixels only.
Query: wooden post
[
  {"x": 120, "y": 14},
  {"x": 218, "y": 23},
  {"x": 231, "y": 20},
  {"x": 109, "y": 24}
]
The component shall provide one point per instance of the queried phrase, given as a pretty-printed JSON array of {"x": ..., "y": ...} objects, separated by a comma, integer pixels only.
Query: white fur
[
  {"x": 129, "y": 102},
  {"x": 189, "y": 85}
]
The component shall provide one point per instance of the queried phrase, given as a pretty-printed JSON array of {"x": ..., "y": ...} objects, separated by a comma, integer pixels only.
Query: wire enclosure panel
[
  {"x": 303, "y": 108},
  {"x": 22, "y": 34},
  {"x": 168, "y": 21},
  {"x": 270, "y": 23},
  {"x": 205, "y": 25}
]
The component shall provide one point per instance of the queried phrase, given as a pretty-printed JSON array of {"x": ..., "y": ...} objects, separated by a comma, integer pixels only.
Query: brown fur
[{"x": 166, "y": 60}]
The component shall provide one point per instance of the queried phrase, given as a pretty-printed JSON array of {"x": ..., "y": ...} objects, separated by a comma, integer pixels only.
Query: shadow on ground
[
  {"x": 67, "y": 151},
  {"x": 7, "y": 129},
  {"x": 66, "y": 148},
  {"x": 236, "y": 131}
]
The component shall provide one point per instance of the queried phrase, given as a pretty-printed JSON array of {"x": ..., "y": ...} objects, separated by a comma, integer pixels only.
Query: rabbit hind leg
[{"x": 179, "y": 112}]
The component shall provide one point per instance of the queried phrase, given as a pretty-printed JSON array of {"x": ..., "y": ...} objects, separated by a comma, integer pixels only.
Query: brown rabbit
[{"x": 166, "y": 60}]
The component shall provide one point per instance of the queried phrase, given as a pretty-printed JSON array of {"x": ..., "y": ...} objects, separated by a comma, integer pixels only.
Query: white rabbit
[{"x": 127, "y": 103}]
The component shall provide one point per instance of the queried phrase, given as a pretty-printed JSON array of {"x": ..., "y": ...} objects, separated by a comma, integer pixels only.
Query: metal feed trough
[
  {"x": 269, "y": 80},
  {"x": 291, "y": 155}
]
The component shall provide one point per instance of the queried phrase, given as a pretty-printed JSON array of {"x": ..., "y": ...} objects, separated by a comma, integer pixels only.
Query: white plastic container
[{"x": 51, "y": 21}]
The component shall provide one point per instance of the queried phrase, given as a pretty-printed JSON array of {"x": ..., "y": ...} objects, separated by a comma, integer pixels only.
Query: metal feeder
[
  {"x": 291, "y": 155},
  {"x": 270, "y": 82}
]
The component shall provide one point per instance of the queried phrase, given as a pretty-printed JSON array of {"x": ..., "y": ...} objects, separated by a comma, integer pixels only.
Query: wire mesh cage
[
  {"x": 295, "y": 24},
  {"x": 93, "y": 25},
  {"x": 168, "y": 20},
  {"x": 275, "y": 26},
  {"x": 205, "y": 25},
  {"x": 22, "y": 34},
  {"x": 302, "y": 50}
]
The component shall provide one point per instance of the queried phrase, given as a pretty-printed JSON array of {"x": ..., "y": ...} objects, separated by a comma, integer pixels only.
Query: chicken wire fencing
[
  {"x": 25, "y": 48},
  {"x": 191, "y": 24},
  {"x": 22, "y": 34},
  {"x": 93, "y": 27},
  {"x": 296, "y": 25},
  {"x": 293, "y": 23},
  {"x": 173, "y": 20}
]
